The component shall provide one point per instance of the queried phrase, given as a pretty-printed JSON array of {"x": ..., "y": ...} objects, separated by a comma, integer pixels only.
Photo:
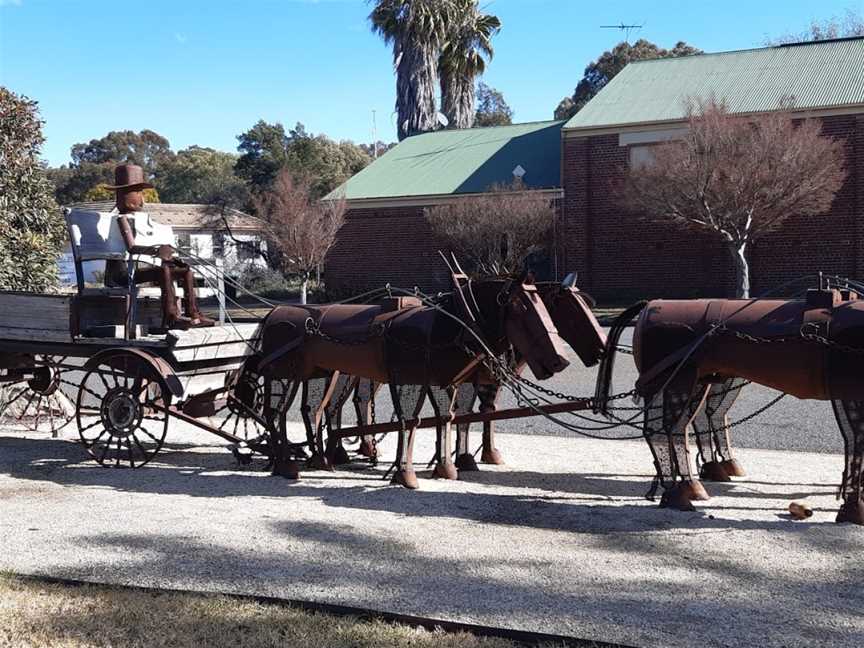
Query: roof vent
[{"x": 518, "y": 172}]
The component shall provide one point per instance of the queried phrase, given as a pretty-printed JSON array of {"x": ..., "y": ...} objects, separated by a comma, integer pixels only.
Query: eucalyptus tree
[
  {"x": 463, "y": 59},
  {"x": 417, "y": 30}
]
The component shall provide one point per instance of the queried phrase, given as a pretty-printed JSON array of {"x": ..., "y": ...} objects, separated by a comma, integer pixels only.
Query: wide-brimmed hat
[{"x": 129, "y": 176}]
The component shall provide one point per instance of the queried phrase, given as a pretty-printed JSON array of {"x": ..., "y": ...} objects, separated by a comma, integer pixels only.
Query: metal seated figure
[{"x": 130, "y": 243}]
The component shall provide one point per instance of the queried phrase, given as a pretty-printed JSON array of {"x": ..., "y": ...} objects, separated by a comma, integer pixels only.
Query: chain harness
[{"x": 517, "y": 384}]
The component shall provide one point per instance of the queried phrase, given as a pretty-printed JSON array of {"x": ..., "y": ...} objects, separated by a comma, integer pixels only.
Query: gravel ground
[{"x": 559, "y": 541}]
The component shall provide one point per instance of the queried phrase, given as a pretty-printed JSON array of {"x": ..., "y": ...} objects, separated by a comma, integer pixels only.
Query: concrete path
[{"x": 560, "y": 540}]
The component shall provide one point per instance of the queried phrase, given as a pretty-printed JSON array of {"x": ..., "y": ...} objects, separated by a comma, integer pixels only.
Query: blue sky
[{"x": 201, "y": 72}]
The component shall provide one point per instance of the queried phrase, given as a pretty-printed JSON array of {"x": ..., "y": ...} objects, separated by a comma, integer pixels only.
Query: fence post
[{"x": 220, "y": 288}]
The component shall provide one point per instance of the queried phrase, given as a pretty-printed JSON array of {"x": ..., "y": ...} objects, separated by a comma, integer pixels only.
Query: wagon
[{"x": 98, "y": 356}]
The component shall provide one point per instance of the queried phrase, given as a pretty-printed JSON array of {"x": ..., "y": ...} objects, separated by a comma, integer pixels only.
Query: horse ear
[{"x": 569, "y": 280}]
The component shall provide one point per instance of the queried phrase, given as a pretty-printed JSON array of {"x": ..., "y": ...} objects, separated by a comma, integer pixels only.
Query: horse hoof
[
  {"x": 852, "y": 511},
  {"x": 340, "y": 456},
  {"x": 695, "y": 490},
  {"x": 317, "y": 462},
  {"x": 286, "y": 469},
  {"x": 367, "y": 449},
  {"x": 714, "y": 471},
  {"x": 405, "y": 478},
  {"x": 733, "y": 468},
  {"x": 492, "y": 457},
  {"x": 445, "y": 471},
  {"x": 677, "y": 498},
  {"x": 466, "y": 462}
]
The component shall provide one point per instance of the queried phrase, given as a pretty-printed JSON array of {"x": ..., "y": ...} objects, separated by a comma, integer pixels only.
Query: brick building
[
  {"x": 620, "y": 256},
  {"x": 386, "y": 237}
]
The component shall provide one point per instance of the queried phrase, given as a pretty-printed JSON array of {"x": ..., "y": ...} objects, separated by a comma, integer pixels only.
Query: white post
[{"x": 220, "y": 288}]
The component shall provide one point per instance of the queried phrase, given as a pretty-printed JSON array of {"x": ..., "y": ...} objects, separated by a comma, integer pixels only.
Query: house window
[
  {"x": 248, "y": 250},
  {"x": 201, "y": 245},
  {"x": 219, "y": 245},
  {"x": 181, "y": 240}
]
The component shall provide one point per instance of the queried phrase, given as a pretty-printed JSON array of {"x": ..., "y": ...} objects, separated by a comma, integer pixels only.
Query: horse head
[
  {"x": 526, "y": 325},
  {"x": 571, "y": 313}
]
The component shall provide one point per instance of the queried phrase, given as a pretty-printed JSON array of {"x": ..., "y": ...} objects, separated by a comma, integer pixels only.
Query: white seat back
[{"x": 95, "y": 235}]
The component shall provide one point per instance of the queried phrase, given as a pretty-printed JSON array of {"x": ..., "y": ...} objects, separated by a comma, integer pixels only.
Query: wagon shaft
[{"x": 464, "y": 419}]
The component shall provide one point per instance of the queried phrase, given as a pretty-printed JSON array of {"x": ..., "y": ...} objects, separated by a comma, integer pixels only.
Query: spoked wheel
[
  {"x": 43, "y": 400},
  {"x": 243, "y": 413},
  {"x": 122, "y": 411}
]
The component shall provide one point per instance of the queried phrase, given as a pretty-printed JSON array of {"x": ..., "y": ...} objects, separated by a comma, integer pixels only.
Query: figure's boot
[
  {"x": 171, "y": 318},
  {"x": 196, "y": 319}
]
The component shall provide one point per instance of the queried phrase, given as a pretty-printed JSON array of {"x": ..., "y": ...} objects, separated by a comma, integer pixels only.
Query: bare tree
[
  {"x": 300, "y": 228},
  {"x": 738, "y": 176},
  {"x": 498, "y": 230}
]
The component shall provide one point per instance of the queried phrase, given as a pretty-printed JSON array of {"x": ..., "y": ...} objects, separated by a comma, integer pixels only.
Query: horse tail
[{"x": 607, "y": 362}]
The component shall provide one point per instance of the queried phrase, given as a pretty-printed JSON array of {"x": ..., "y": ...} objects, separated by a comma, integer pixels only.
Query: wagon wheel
[
  {"x": 244, "y": 411},
  {"x": 122, "y": 411},
  {"x": 41, "y": 402}
]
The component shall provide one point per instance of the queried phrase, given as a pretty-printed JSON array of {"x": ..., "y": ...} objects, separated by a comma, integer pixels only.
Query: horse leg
[
  {"x": 316, "y": 394},
  {"x": 335, "y": 452},
  {"x": 488, "y": 394},
  {"x": 442, "y": 403},
  {"x": 850, "y": 419},
  {"x": 407, "y": 402},
  {"x": 712, "y": 435},
  {"x": 666, "y": 420},
  {"x": 464, "y": 397},
  {"x": 283, "y": 464},
  {"x": 364, "y": 396},
  {"x": 720, "y": 423}
]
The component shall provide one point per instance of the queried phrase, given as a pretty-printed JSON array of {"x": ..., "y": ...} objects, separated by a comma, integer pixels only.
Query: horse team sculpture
[{"x": 693, "y": 358}]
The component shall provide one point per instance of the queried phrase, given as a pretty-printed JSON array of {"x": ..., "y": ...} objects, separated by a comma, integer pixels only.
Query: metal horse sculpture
[
  {"x": 811, "y": 349},
  {"x": 418, "y": 351},
  {"x": 576, "y": 324},
  {"x": 570, "y": 310}
]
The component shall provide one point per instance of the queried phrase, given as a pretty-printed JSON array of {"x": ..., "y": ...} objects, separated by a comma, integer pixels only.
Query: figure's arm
[{"x": 128, "y": 234}]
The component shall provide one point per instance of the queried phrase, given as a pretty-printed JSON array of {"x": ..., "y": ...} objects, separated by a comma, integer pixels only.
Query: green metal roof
[
  {"x": 462, "y": 161},
  {"x": 815, "y": 75}
]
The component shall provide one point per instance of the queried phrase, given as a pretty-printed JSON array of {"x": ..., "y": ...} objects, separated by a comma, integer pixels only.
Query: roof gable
[
  {"x": 824, "y": 74},
  {"x": 461, "y": 161},
  {"x": 188, "y": 216}
]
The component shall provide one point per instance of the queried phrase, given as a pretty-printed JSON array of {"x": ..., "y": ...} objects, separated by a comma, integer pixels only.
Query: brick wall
[
  {"x": 621, "y": 256},
  {"x": 392, "y": 245}
]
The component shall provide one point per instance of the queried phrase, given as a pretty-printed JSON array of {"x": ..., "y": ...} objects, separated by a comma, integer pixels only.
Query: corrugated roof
[
  {"x": 186, "y": 216},
  {"x": 815, "y": 75},
  {"x": 462, "y": 161}
]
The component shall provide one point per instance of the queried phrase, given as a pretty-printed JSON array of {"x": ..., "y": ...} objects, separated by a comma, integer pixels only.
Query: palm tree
[
  {"x": 417, "y": 30},
  {"x": 462, "y": 61}
]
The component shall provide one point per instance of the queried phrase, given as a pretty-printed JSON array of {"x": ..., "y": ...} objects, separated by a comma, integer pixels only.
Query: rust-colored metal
[
  {"x": 129, "y": 184},
  {"x": 473, "y": 417},
  {"x": 417, "y": 350},
  {"x": 812, "y": 348}
]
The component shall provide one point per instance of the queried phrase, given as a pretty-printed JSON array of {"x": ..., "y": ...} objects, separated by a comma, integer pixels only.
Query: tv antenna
[{"x": 624, "y": 28}]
